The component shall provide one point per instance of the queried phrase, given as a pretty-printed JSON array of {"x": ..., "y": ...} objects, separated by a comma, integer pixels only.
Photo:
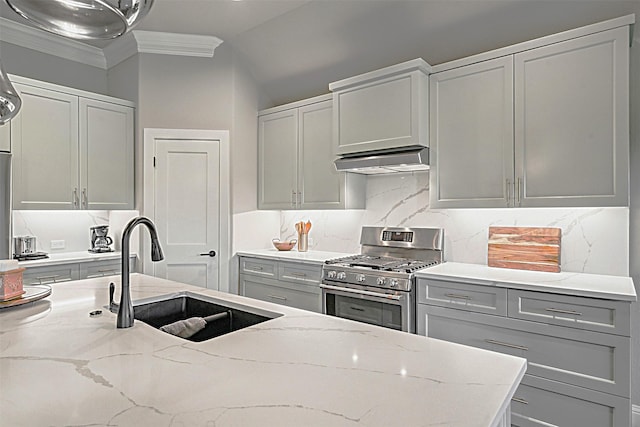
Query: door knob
[{"x": 210, "y": 253}]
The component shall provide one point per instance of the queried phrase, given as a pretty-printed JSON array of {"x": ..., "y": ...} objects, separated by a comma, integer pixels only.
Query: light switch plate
[{"x": 57, "y": 244}]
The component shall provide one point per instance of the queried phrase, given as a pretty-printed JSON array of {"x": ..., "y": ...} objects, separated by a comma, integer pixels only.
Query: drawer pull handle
[
  {"x": 41, "y": 278},
  {"x": 356, "y": 308},
  {"x": 258, "y": 268},
  {"x": 298, "y": 274},
  {"x": 458, "y": 296},
  {"x": 506, "y": 344},
  {"x": 558, "y": 310},
  {"x": 517, "y": 399},
  {"x": 277, "y": 297}
]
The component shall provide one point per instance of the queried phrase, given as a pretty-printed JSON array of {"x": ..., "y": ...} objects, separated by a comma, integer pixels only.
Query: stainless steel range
[{"x": 377, "y": 286}]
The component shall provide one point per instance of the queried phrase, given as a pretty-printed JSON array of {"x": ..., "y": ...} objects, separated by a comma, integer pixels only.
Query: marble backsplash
[
  {"x": 594, "y": 240},
  {"x": 72, "y": 227}
]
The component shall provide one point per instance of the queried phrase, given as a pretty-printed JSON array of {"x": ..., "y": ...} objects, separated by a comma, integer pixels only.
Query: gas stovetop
[
  {"x": 380, "y": 263},
  {"x": 390, "y": 257},
  {"x": 390, "y": 274}
]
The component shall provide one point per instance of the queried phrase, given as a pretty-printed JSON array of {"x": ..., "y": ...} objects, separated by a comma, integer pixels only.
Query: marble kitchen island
[{"x": 61, "y": 367}]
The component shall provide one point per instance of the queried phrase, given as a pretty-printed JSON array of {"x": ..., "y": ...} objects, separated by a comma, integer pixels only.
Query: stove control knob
[
  {"x": 331, "y": 274},
  {"x": 393, "y": 283},
  {"x": 361, "y": 278},
  {"x": 342, "y": 275},
  {"x": 381, "y": 281}
]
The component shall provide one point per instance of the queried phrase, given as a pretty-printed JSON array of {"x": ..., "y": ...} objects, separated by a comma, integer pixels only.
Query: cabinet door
[
  {"x": 319, "y": 184},
  {"x": 277, "y": 160},
  {"x": 542, "y": 403},
  {"x": 45, "y": 150},
  {"x": 106, "y": 155},
  {"x": 572, "y": 122},
  {"x": 5, "y": 137},
  {"x": 380, "y": 115},
  {"x": 472, "y": 135}
]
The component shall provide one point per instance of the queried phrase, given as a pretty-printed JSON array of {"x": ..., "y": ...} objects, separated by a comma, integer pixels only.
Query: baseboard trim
[{"x": 635, "y": 415}]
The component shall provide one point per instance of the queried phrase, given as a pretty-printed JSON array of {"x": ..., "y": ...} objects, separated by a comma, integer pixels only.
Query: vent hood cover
[{"x": 413, "y": 160}]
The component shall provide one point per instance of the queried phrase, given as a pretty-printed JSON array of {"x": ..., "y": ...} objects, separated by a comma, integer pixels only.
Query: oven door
[{"x": 394, "y": 311}]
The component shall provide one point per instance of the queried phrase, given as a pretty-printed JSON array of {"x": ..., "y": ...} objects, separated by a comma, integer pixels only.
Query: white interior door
[{"x": 187, "y": 206}]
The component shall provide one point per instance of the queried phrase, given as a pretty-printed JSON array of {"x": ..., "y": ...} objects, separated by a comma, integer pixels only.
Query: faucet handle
[{"x": 113, "y": 307}]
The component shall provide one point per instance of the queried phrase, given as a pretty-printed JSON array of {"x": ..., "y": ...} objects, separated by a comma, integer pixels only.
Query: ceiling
[{"x": 295, "y": 48}]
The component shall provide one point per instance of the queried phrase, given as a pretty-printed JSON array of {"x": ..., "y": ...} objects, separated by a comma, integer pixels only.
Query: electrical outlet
[
  {"x": 310, "y": 242},
  {"x": 57, "y": 244}
]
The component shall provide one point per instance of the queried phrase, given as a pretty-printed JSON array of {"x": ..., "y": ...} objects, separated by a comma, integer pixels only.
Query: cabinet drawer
[
  {"x": 252, "y": 288},
  {"x": 583, "y": 358},
  {"x": 92, "y": 270},
  {"x": 48, "y": 275},
  {"x": 305, "y": 274},
  {"x": 478, "y": 298},
  {"x": 543, "y": 403},
  {"x": 575, "y": 312},
  {"x": 258, "y": 266}
]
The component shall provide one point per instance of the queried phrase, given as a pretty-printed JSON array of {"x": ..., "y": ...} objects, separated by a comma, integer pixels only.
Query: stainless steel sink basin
[{"x": 166, "y": 309}]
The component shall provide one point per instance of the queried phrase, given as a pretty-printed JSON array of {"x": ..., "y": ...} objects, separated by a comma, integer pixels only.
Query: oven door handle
[{"x": 377, "y": 295}]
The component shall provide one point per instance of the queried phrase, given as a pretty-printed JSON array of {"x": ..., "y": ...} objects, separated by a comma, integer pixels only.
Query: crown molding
[
  {"x": 42, "y": 41},
  {"x": 159, "y": 43},
  {"x": 117, "y": 51}
]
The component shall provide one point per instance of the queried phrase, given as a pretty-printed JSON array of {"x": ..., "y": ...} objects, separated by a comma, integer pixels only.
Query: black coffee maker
[{"x": 99, "y": 240}]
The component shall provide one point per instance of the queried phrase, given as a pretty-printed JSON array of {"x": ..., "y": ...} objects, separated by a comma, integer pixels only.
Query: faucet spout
[{"x": 125, "y": 309}]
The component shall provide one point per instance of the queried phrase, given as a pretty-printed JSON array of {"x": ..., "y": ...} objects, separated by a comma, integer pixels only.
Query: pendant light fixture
[
  {"x": 83, "y": 19},
  {"x": 10, "y": 102}
]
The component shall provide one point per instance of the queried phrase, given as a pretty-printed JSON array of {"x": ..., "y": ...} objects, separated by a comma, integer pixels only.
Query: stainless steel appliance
[
  {"x": 99, "y": 240},
  {"x": 413, "y": 159},
  {"x": 24, "y": 245},
  {"x": 24, "y": 249},
  {"x": 377, "y": 286},
  {"x": 5, "y": 205}
]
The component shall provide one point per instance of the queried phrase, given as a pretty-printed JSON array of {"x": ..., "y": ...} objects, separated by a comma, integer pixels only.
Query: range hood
[{"x": 416, "y": 159}]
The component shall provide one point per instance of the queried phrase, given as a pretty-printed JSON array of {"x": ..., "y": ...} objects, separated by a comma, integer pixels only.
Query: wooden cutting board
[{"x": 525, "y": 248}]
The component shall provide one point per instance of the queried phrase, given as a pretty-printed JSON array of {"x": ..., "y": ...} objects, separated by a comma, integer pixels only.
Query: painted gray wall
[
  {"x": 179, "y": 92},
  {"x": 244, "y": 136},
  {"x": 634, "y": 217},
  {"x": 41, "y": 66}
]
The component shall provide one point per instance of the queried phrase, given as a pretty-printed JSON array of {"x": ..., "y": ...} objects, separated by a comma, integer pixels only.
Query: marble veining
[
  {"x": 594, "y": 240},
  {"x": 299, "y": 369}
]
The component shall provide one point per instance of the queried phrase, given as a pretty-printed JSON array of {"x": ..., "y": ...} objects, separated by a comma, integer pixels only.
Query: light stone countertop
[
  {"x": 72, "y": 257},
  {"x": 310, "y": 257},
  {"x": 579, "y": 284},
  {"x": 60, "y": 367}
]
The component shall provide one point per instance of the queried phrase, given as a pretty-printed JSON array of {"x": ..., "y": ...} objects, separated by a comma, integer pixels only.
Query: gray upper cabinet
[
  {"x": 572, "y": 122},
  {"x": 295, "y": 154},
  {"x": 44, "y": 137},
  {"x": 277, "y": 160},
  {"x": 383, "y": 109},
  {"x": 5, "y": 137},
  {"x": 71, "y": 151},
  {"x": 106, "y": 153},
  {"x": 472, "y": 135},
  {"x": 544, "y": 127}
]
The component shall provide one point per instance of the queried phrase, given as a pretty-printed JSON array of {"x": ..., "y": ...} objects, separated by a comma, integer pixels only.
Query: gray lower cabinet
[
  {"x": 288, "y": 283},
  {"x": 73, "y": 271},
  {"x": 50, "y": 274},
  {"x": 577, "y": 348}
]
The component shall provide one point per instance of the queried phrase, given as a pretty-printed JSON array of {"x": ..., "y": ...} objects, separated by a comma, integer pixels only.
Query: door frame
[{"x": 151, "y": 135}]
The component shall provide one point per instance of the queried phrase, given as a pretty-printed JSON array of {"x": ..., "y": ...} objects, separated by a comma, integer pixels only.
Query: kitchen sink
[{"x": 163, "y": 310}]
